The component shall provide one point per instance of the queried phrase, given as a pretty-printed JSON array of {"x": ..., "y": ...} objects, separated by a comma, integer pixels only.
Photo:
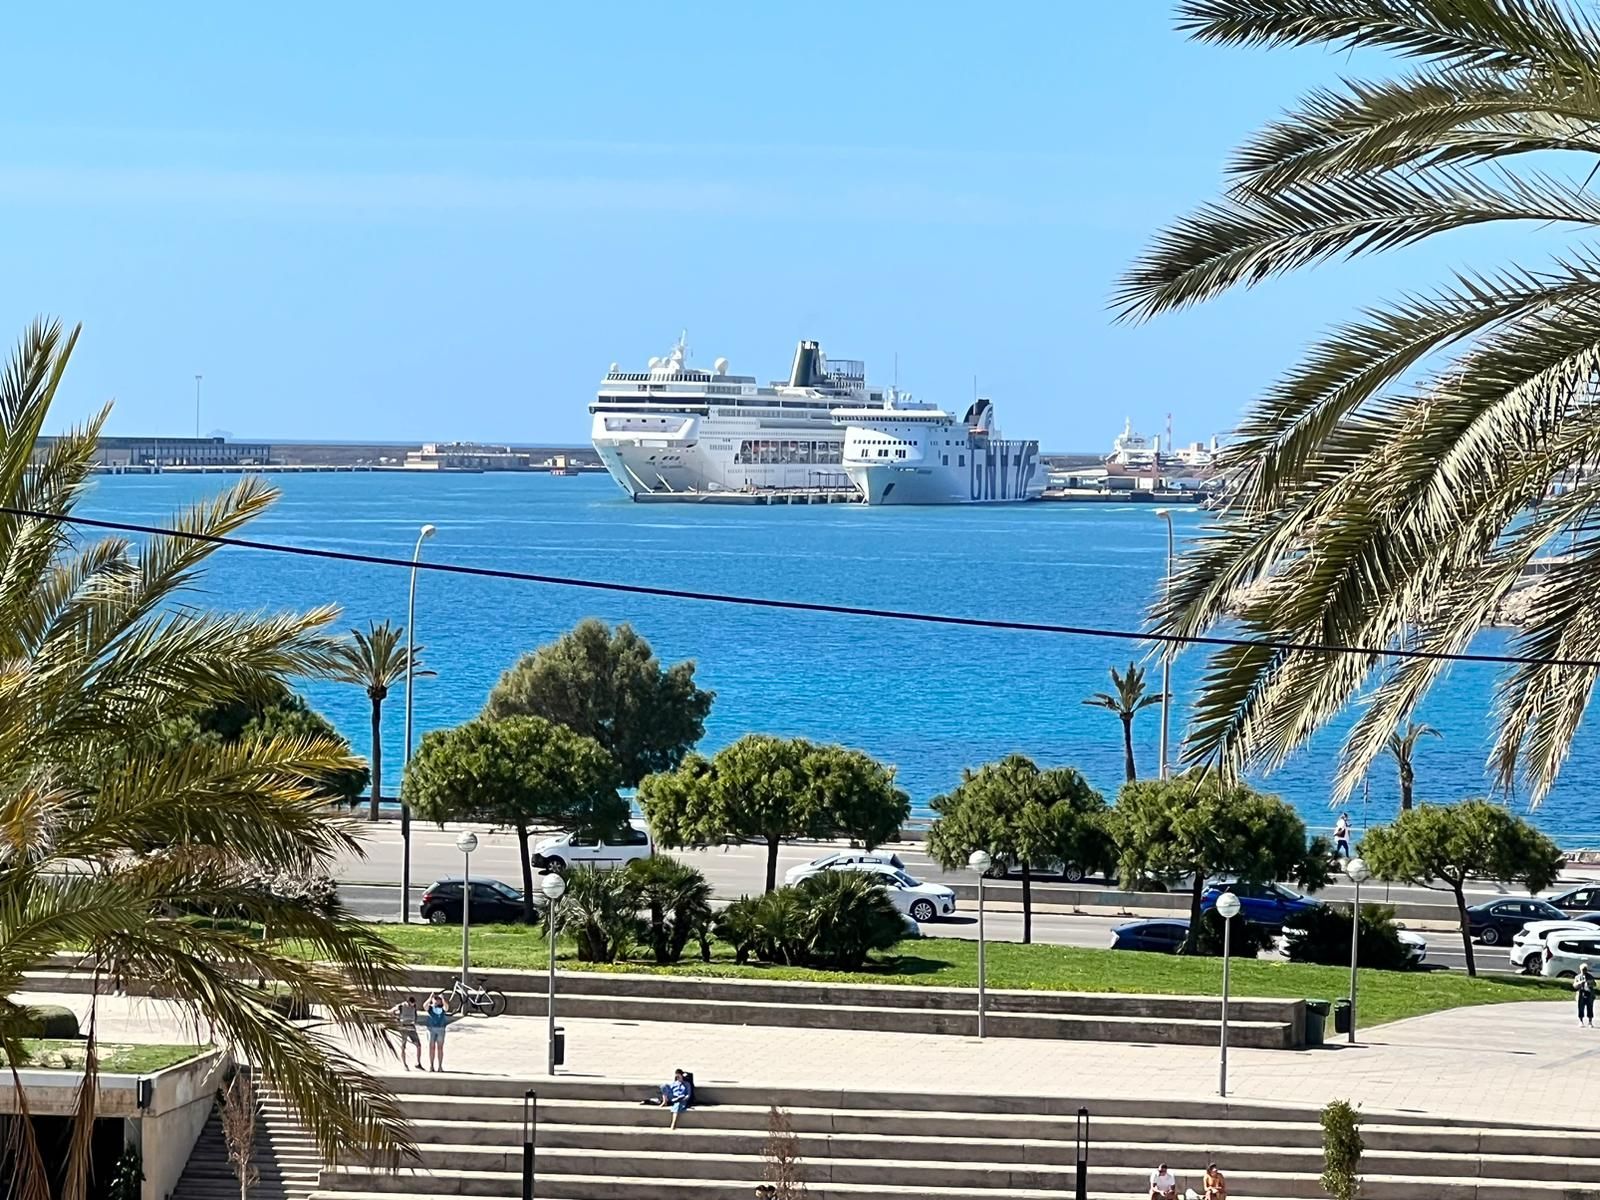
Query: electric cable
[{"x": 810, "y": 606}]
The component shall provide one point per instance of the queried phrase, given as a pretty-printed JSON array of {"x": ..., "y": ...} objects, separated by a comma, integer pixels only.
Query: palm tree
[
  {"x": 375, "y": 661},
  {"x": 1401, "y": 747},
  {"x": 1126, "y": 703},
  {"x": 1390, "y": 490},
  {"x": 96, "y": 652}
]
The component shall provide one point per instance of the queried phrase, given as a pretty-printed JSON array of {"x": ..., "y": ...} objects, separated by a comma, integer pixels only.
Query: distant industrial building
[
  {"x": 122, "y": 452},
  {"x": 467, "y": 456}
]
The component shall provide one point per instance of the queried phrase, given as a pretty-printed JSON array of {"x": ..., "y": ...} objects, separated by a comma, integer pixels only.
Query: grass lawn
[
  {"x": 950, "y": 962},
  {"x": 116, "y": 1058}
]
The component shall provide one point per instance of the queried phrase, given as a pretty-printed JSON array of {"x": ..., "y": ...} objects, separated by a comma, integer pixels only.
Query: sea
[{"x": 929, "y": 699}]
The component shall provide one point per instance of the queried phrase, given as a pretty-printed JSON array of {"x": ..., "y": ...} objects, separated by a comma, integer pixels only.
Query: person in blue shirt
[
  {"x": 677, "y": 1094},
  {"x": 437, "y": 1020}
]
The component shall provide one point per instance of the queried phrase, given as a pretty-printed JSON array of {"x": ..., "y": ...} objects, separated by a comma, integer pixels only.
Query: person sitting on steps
[
  {"x": 1215, "y": 1185},
  {"x": 1163, "y": 1184},
  {"x": 678, "y": 1094}
]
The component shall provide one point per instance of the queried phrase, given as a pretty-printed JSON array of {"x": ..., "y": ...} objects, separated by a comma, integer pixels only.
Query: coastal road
[{"x": 740, "y": 870}]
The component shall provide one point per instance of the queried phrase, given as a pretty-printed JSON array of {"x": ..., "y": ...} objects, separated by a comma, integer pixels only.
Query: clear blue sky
[{"x": 406, "y": 221}]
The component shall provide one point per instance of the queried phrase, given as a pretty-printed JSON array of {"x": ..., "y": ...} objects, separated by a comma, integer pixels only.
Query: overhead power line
[{"x": 842, "y": 610}]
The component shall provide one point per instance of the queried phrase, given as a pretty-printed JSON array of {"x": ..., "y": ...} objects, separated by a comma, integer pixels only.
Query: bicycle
[{"x": 475, "y": 1002}]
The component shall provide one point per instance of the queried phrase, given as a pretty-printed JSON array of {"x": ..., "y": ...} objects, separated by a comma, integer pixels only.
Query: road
[{"x": 740, "y": 869}]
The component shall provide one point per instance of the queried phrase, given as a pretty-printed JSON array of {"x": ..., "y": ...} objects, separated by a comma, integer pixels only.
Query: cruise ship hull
[
  {"x": 1003, "y": 480},
  {"x": 685, "y": 452}
]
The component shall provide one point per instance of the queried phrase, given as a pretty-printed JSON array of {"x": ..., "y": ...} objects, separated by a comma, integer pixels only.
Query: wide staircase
[
  {"x": 286, "y": 1157},
  {"x": 597, "y": 1141}
]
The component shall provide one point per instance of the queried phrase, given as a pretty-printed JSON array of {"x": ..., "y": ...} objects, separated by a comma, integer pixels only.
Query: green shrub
[
  {"x": 846, "y": 916},
  {"x": 677, "y": 902},
  {"x": 1322, "y": 935},
  {"x": 127, "y": 1183},
  {"x": 1341, "y": 1150},
  {"x": 51, "y": 1021},
  {"x": 832, "y": 920},
  {"x": 601, "y": 912},
  {"x": 769, "y": 928},
  {"x": 1247, "y": 941}
]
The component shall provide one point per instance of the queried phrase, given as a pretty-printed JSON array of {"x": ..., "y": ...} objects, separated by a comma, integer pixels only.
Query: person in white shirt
[{"x": 1163, "y": 1186}]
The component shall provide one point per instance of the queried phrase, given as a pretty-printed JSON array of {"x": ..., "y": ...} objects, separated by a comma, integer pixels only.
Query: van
[{"x": 587, "y": 849}]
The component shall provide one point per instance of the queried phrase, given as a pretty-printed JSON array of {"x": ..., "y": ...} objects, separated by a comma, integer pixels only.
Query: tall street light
[
  {"x": 466, "y": 843},
  {"x": 553, "y": 887},
  {"x": 423, "y": 535},
  {"x": 1166, "y": 647},
  {"x": 1357, "y": 869},
  {"x": 980, "y": 862},
  {"x": 1227, "y": 909}
]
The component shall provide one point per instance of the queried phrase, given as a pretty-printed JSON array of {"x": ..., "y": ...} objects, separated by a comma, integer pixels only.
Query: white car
[
  {"x": 920, "y": 901},
  {"x": 841, "y": 858},
  {"x": 1527, "y": 946},
  {"x": 581, "y": 849},
  {"x": 1565, "y": 952},
  {"x": 1416, "y": 946}
]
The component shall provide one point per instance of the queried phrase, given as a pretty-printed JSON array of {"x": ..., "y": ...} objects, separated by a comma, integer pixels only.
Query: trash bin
[
  {"x": 561, "y": 1046},
  {"x": 1316, "y": 1019},
  {"x": 1341, "y": 1016}
]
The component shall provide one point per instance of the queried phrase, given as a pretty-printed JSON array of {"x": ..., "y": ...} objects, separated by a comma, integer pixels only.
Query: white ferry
[
  {"x": 673, "y": 428},
  {"x": 909, "y": 453}
]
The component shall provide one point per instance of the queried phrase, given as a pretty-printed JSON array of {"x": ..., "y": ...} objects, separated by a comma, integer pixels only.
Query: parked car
[
  {"x": 921, "y": 901},
  {"x": 1496, "y": 921},
  {"x": 493, "y": 902},
  {"x": 1004, "y": 868},
  {"x": 1527, "y": 944},
  {"x": 1161, "y": 934},
  {"x": 1565, "y": 952},
  {"x": 1582, "y": 899},
  {"x": 587, "y": 849},
  {"x": 1260, "y": 903},
  {"x": 841, "y": 858}
]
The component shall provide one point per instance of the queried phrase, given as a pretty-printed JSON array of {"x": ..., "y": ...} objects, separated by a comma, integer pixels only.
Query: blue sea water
[{"x": 929, "y": 699}]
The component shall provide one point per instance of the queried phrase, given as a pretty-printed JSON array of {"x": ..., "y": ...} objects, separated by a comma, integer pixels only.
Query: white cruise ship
[
  {"x": 908, "y": 453},
  {"x": 673, "y": 428}
]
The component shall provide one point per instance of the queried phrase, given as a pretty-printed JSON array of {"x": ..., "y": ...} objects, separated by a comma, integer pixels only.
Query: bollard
[
  {"x": 530, "y": 1128},
  {"x": 1083, "y": 1154}
]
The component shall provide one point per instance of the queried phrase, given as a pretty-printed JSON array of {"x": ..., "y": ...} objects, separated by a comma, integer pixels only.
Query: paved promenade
[{"x": 1525, "y": 1063}]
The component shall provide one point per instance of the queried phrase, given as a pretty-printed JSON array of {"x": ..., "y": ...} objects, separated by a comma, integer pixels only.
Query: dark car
[
  {"x": 493, "y": 902},
  {"x": 1573, "y": 901},
  {"x": 1496, "y": 921},
  {"x": 1162, "y": 934},
  {"x": 1269, "y": 904}
]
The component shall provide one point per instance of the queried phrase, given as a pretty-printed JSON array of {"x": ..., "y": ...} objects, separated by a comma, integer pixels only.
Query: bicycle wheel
[
  {"x": 452, "y": 1002},
  {"x": 494, "y": 1003}
]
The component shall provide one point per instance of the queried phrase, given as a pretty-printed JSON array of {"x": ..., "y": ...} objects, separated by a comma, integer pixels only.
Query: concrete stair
[
  {"x": 596, "y": 1141},
  {"x": 1262, "y": 1023},
  {"x": 285, "y": 1155}
]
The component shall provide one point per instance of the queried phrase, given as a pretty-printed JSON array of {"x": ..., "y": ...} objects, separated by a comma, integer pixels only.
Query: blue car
[
  {"x": 1161, "y": 934},
  {"x": 1268, "y": 904}
]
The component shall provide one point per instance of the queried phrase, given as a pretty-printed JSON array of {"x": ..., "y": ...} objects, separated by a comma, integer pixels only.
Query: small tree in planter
[
  {"x": 1341, "y": 1150},
  {"x": 782, "y": 1153},
  {"x": 239, "y": 1130}
]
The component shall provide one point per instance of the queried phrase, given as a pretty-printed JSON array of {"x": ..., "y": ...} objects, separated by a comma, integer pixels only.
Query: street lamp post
[
  {"x": 980, "y": 862},
  {"x": 1166, "y": 647},
  {"x": 553, "y": 887},
  {"x": 1357, "y": 869},
  {"x": 466, "y": 843},
  {"x": 426, "y": 532},
  {"x": 1227, "y": 909}
]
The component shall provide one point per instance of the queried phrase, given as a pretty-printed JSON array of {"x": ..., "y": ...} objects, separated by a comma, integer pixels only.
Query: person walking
[
  {"x": 405, "y": 1014},
  {"x": 1583, "y": 984},
  {"x": 438, "y": 1020},
  {"x": 1341, "y": 836}
]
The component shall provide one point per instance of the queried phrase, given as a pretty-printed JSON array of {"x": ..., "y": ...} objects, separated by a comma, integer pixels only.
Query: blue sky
[{"x": 358, "y": 220}]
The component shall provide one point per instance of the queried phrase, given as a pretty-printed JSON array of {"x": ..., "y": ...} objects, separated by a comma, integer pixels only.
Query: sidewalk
[{"x": 1523, "y": 1063}]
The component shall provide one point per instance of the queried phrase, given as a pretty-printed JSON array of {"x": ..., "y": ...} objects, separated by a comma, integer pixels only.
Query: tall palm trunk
[
  {"x": 1406, "y": 780},
  {"x": 377, "y": 759},
  {"x": 1127, "y": 747}
]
